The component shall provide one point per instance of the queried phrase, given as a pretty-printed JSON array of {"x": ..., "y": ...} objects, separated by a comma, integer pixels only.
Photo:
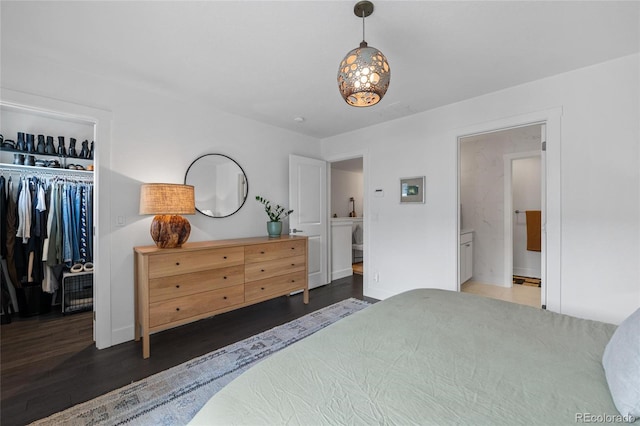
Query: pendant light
[{"x": 363, "y": 77}]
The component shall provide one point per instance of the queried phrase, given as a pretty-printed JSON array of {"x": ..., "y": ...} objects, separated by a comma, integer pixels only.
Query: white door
[{"x": 308, "y": 199}]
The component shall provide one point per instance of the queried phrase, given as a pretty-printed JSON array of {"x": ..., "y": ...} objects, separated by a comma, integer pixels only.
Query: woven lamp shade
[
  {"x": 167, "y": 201},
  {"x": 167, "y": 198}
]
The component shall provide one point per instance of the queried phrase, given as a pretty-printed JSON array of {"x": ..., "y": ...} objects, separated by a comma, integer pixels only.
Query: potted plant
[{"x": 274, "y": 226}]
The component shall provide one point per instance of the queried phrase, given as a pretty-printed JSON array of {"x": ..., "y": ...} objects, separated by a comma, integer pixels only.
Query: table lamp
[{"x": 168, "y": 201}]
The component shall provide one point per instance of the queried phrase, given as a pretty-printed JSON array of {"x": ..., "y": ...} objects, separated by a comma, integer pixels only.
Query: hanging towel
[{"x": 534, "y": 230}]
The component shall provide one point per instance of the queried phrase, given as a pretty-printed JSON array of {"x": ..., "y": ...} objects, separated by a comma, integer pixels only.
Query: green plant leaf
[{"x": 274, "y": 214}]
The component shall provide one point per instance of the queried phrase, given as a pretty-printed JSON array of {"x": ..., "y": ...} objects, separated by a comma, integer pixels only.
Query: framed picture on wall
[{"x": 412, "y": 190}]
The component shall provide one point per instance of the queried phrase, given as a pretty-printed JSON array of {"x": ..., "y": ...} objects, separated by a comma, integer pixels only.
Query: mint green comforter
[{"x": 428, "y": 357}]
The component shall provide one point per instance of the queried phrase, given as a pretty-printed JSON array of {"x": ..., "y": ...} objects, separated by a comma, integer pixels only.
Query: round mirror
[{"x": 221, "y": 186}]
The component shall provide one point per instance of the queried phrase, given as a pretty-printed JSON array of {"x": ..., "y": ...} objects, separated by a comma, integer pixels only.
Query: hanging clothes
[
  {"x": 12, "y": 224},
  {"x": 3, "y": 218},
  {"x": 24, "y": 211},
  {"x": 54, "y": 227},
  {"x": 38, "y": 230},
  {"x": 49, "y": 224}
]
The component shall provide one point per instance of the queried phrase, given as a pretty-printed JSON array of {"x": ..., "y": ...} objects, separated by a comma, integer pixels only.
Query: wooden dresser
[{"x": 202, "y": 279}]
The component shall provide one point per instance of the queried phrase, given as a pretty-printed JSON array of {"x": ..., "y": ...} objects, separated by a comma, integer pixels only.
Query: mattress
[{"x": 428, "y": 357}]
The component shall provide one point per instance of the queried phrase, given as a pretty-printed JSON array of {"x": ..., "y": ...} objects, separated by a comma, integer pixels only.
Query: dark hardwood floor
[{"x": 49, "y": 364}]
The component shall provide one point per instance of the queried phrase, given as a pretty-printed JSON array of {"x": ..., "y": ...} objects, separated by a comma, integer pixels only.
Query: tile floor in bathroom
[{"x": 521, "y": 294}]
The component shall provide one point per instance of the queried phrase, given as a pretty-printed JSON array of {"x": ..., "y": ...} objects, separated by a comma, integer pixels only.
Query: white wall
[
  {"x": 154, "y": 139},
  {"x": 598, "y": 234},
  {"x": 525, "y": 185},
  {"x": 344, "y": 185},
  {"x": 482, "y": 195}
]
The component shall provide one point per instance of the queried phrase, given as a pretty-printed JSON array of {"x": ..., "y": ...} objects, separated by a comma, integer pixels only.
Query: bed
[{"x": 430, "y": 357}]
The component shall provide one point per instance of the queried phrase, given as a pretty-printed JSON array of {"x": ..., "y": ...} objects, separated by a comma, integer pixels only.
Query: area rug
[{"x": 174, "y": 396}]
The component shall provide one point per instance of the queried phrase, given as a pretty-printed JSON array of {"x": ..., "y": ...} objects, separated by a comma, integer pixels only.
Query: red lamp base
[{"x": 170, "y": 231}]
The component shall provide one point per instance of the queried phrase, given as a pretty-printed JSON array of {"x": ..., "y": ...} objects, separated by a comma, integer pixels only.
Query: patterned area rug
[
  {"x": 528, "y": 281},
  {"x": 174, "y": 396}
]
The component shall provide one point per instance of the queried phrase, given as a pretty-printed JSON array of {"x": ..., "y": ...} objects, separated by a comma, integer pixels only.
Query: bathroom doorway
[
  {"x": 496, "y": 169},
  {"x": 347, "y": 217}
]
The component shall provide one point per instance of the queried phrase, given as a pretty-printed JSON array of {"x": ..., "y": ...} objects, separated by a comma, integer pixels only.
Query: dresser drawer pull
[
  {"x": 177, "y": 263},
  {"x": 261, "y": 270},
  {"x": 177, "y": 309},
  {"x": 178, "y": 286},
  {"x": 261, "y": 288},
  {"x": 262, "y": 252},
  {"x": 224, "y": 257},
  {"x": 224, "y": 297},
  {"x": 293, "y": 248},
  {"x": 224, "y": 278},
  {"x": 293, "y": 281},
  {"x": 293, "y": 264}
]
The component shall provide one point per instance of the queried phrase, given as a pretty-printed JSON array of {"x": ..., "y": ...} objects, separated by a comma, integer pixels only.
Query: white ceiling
[{"x": 273, "y": 61}]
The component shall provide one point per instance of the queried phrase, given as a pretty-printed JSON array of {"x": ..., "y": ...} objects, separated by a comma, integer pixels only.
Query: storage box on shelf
[{"x": 198, "y": 280}]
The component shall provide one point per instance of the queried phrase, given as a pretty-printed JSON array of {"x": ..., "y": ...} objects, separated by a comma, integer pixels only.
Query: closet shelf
[
  {"x": 46, "y": 170},
  {"x": 37, "y": 154}
]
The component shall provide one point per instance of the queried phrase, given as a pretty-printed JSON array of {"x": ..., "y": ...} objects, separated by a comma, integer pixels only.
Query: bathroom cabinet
[{"x": 466, "y": 256}]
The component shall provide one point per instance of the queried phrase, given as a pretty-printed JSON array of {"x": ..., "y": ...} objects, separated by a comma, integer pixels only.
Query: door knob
[{"x": 294, "y": 230}]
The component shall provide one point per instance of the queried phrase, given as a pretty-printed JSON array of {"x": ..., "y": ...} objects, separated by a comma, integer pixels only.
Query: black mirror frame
[{"x": 245, "y": 178}]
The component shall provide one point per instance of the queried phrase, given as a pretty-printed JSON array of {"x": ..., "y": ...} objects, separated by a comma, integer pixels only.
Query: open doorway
[
  {"x": 347, "y": 212},
  {"x": 500, "y": 185},
  {"x": 39, "y": 115}
]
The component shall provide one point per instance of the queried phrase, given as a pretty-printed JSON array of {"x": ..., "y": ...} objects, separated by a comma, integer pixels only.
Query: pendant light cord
[{"x": 363, "y": 24}]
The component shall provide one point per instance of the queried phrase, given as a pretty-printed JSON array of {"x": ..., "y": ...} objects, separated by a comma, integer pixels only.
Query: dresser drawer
[
  {"x": 273, "y": 268},
  {"x": 262, "y": 252},
  {"x": 265, "y": 289},
  {"x": 178, "y": 262},
  {"x": 173, "y": 286},
  {"x": 169, "y": 311}
]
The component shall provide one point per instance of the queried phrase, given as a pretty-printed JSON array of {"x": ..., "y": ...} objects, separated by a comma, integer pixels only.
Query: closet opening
[
  {"x": 47, "y": 199},
  {"x": 347, "y": 217}
]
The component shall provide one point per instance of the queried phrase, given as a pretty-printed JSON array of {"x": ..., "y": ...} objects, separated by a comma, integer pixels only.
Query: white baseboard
[
  {"x": 527, "y": 272},
  {"x": 488, "y": 279},
  {"x": 336, "y": 275},
  {"x": 375, "y": 292},
  {"x": 122, "y": 335}
]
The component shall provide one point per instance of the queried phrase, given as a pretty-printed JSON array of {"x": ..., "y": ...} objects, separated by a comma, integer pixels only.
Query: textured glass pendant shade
[{"x": 364, "y": 75}]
